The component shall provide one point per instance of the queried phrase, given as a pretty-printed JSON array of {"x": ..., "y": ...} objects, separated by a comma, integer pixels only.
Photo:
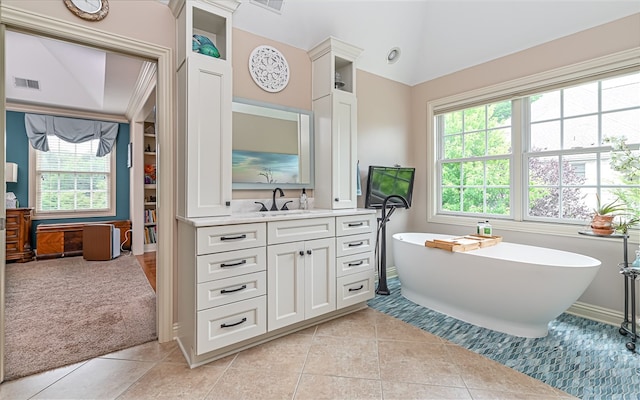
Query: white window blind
[{"x": 71, "y": 179}]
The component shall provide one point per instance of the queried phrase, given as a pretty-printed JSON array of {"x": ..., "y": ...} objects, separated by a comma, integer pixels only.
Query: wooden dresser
[
  {"x": 19, "y": 235},
  {"x": 65, "y": 239}
]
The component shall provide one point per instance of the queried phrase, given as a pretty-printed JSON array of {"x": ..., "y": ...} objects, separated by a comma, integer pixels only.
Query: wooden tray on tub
[{"x": 464, "y": 243}]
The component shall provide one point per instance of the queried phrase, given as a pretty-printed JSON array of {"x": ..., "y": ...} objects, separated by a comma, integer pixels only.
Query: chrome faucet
[{"x": 274, "y": 207}]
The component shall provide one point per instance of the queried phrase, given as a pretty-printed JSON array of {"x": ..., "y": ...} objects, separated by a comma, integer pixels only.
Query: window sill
[
  {"x": 72, "y": 215},
  {"x": 541, "y": 228}
]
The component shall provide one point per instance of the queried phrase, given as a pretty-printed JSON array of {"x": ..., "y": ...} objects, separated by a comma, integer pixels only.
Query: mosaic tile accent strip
[{"x": 584, "y": 358}]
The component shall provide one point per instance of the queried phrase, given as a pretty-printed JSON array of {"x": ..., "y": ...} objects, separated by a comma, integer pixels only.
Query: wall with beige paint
[
  {"x": 124, "y": 18},
  {"x": 296, "y": 94},
  {"x": 384, "y": 135},
  {"x": 606, "y": 290}
]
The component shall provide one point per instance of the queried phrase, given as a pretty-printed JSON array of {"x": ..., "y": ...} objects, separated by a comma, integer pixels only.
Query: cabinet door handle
[
  {"x": 243, "y": 236},
  {"x": 336, "y": 199},
  {"x": 356, "y": 244},
  {"x": 301, "y": 253},
  {"x": 356, "y": 224},
  {"x": 309, "y": 252},
  {"x": 356, "y": 263},
  {"x": 234, "y": 324},
  {"x": 233, "y": 264},
  {"x": 356, "y": 289},
  {"x": 233, "y": 290}
]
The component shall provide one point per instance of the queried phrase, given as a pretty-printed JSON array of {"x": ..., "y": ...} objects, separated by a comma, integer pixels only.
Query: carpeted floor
[
  {"x": 584, "y": 358},
  {"x": 66, "y": 310}
]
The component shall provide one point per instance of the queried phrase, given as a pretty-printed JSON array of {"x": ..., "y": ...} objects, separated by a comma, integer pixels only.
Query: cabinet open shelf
[{"x": 149, "y": 151}]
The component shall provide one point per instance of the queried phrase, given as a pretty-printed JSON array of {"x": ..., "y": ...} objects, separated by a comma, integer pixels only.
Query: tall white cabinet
[
  {"x": 204, "y": 109},
  {"x": 335, "y": 116}
]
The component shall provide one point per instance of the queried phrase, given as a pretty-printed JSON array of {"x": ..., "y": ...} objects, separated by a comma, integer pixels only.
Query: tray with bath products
[{"x": 464, "y": 243}]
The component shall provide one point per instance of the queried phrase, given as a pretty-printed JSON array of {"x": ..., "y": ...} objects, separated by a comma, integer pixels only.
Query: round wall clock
[
  {"x": 91, "y": 10},
  {"x": 269, "y": 68}
]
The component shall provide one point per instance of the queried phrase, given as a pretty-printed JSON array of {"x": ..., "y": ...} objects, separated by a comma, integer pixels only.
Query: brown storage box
[{"x": 97, "y": 242}]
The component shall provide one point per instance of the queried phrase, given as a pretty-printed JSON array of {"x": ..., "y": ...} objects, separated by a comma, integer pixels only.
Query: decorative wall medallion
[{"x": 269, "y": 68}]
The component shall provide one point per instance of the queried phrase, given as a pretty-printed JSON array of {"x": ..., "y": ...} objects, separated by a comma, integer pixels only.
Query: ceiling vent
[
  {"x": 273, "y": 5},
  {"x": 26, "y": 83}
]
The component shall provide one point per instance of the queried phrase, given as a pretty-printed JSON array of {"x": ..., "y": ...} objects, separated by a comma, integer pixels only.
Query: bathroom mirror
[{"x": 272, "y": 146}]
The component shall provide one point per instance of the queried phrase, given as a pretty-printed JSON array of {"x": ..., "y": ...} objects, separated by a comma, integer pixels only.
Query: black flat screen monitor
[{"x": 387, "y": 181}]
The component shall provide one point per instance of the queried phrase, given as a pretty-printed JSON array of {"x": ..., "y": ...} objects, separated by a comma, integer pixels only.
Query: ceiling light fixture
[{"x": 393, "y": 55}]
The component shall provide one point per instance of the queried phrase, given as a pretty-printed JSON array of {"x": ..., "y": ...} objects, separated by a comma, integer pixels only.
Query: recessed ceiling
[
  {"x": 436, "y": 37},
  {"x": 68, "y": 76}
]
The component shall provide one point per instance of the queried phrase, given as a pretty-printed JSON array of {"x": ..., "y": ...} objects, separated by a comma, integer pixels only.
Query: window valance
[{"x": 72, "y": 130}]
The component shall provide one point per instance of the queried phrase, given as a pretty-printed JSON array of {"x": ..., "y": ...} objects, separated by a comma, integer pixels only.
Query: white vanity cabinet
[
  {"x": 301, "y": 270},
  {"x": 204, "y": 87},
  {"x": 222, "y": 285},
  {"x": 355, "y": 264},
  {"x": 245, "y": 280},
  {"x": 335, "y": 121}
]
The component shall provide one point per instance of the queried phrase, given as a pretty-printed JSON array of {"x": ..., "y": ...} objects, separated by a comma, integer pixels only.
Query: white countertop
[{"x": 269, "y": 216}]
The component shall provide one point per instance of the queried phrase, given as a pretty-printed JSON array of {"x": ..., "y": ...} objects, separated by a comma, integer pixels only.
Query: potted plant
[
  {"x": 602, "y": 222},
  {"x": 626, "y": 221}
]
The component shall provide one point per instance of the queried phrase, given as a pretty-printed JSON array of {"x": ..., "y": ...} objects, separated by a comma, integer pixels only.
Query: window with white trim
[
  {"x": 542, "y": 156},
  {"x": 71, "y": 181}
]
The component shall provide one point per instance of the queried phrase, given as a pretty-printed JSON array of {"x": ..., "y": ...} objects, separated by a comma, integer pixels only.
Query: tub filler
[{"x": 511, "y": 288}]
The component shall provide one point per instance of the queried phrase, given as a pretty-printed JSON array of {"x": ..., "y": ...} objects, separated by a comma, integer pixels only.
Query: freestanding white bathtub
[{"x": 511, "y": 288}]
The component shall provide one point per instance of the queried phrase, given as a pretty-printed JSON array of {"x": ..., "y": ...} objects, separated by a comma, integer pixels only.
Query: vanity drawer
[
  {"x": 300, "y": 229},
  {"x": 231, "y": 263},
  {"x": 213, "y": 239},
  {"x": 225, "y": 291},
  {"x": 221, "y": 326},
  {"x": 353, "y": 244},
  {"x": 355, "y": 288},
  {"x": 355, "y": 263},
  {"x": 355, "y": 224}
]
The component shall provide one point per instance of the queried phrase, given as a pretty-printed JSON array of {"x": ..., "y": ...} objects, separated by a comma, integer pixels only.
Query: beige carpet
[{"x": 66, "y": 310}]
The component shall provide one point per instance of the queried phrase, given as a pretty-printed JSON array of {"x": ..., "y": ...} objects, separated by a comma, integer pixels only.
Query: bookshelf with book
[{"x": 150, "y": 227}]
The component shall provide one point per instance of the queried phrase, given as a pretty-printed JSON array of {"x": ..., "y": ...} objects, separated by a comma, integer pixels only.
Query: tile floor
[{"x": 365, "y": 355}]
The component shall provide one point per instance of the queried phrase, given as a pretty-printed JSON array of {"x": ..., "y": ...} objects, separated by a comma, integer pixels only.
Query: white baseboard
[{"x": 599, "y": 314}]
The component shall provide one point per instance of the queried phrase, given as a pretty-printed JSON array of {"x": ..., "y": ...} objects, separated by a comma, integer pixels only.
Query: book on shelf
[
  {"x": 150, "y": 235},
  {"x": 149, "y": 216}
]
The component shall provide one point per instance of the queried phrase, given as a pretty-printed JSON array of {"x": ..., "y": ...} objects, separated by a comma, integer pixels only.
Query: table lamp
[{"x": 11, "y": 175}]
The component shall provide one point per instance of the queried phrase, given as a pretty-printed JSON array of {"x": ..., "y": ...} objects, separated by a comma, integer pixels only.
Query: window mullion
[{"x": 519, "y": 120}]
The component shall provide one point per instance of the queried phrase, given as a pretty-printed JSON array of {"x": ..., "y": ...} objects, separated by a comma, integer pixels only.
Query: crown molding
[
  {"x": 64, "y": 112},
  {"x": 144, "y": 85}
]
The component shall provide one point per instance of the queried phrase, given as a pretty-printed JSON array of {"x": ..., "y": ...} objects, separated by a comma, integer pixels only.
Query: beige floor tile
[
  {"x": 479, "y": 372},
  {"x": 99, "y": 378},
  {"x": 357, "y": 325},
  {"x": 152, "y": 351},
  {"x": 393, "y": 329},
  {"x": 417, "y": 362},
  {"x": 308, "y": 331},
  {"x": 285, "y": 353},
  {"x": 321, "y": 387},
  {"x": 346, "y": 357},
  {"x": 414, "y": 391},
  {"x": 27, "y": 387},
  {"x": 175, "y": 357},
  {"x": 259, "y": 384},
  {"x": 174, "y": 381}
]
